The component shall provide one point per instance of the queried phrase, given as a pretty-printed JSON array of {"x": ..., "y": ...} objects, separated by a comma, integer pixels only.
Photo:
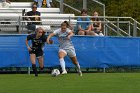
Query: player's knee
[
  {"x": 33, "y": 62},
  {"x": 61, "y": 55}
]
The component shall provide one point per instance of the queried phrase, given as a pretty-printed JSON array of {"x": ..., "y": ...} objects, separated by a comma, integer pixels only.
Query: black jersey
[
  {"x": 37, "y": 44},
  {"x": 36, "y": 18}
]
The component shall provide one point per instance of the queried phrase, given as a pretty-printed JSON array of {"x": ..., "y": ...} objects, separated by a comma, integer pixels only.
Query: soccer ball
[{"x": 55, "y": 72}]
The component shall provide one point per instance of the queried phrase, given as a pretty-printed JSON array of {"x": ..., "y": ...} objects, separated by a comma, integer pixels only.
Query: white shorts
[{"x": 69, "y": 52}]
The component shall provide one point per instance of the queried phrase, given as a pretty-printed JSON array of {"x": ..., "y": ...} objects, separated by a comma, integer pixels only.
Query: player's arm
[
  {"x": 48, "y": 39},
  {"x": 27, "y": 45},
  {"x": 70, "y": 34}
]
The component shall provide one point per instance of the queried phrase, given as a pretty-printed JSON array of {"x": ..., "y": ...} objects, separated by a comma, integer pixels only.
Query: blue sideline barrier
[{"x": 100, "y": 52}]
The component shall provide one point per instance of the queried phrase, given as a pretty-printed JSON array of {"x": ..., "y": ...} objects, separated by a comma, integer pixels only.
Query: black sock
[
  {"x": 41, "y": 69},
  {"x": 34, "y": 69}
]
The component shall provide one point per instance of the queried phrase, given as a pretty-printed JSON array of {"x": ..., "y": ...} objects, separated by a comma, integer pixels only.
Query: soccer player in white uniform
[{"x": 66, "y": 47}]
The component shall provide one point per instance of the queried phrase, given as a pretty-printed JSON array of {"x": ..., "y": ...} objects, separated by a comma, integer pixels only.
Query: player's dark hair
[
  {"x": 67, "y": 23},
  {"x": 63, "y": 24}
]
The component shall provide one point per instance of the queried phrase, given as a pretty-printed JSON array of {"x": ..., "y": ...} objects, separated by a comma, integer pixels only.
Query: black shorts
[{"x": 38, "y": 53}]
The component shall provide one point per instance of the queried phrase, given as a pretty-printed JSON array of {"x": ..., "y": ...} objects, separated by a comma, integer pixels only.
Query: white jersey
[{"x": 64, "y": 42}]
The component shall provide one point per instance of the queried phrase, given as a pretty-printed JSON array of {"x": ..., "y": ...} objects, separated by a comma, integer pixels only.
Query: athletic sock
[
  {"x": 41, "y": 69},
  {"x": 78, "y": 67},
  {"x": 34, "y": 69},
  {"x": 62, "y": 63}
]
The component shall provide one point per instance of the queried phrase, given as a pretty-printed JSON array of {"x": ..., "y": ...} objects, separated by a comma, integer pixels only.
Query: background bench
[
  {"x": 50, "y": 17},
  {"x": 19, "y": 10},
  {"x": 21, "y": 4}
]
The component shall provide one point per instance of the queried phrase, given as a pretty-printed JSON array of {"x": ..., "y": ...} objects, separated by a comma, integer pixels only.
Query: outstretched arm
[
  {"x": 48, "y": 39},
  {"x": 70, "y": 34}
]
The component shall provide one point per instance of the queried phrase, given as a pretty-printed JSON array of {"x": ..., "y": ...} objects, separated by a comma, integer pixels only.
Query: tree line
[
  {"x": 128, "y": 8},
  {"x": 125, "y": 8}
]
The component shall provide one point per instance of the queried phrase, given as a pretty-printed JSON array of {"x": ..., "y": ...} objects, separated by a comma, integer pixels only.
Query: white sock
[
  {"x": 78, "y": 66},
  {"x": 62, "y": 63}
]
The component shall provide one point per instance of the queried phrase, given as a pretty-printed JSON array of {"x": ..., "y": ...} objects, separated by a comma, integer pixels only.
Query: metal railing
[
  {"x": 117, "y": 26},
  {"x": 64, "y": 4}
]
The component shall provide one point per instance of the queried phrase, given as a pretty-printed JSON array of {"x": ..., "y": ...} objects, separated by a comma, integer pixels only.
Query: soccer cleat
[
  {"x": 80, "y": 73},
  {"x": 36, "y": 75},
  {"x": 64, "y": 72}
]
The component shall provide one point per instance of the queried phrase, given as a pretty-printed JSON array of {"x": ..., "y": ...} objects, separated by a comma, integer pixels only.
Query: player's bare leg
[
  {"x": 62, "y": 62},
  {"x": 33, "y": 60},
  {"x": 41, "y": 63},
  {"x": 76, "y": 63}
]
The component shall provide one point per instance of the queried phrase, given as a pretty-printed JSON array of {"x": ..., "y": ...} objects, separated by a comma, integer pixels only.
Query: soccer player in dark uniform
[{"x": 36, "y": 49}]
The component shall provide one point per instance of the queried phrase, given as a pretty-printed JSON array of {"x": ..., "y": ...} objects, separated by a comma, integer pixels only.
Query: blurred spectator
[
  {"x": 49, "y": 3},
  {"x": 4, "y": 3},
  {"x": 83, "y": 27},
  {"x": 38, "y": 3},
  {"x": 96, "y": 25},
  {"x": 37, "y": 14},
  {"x": 43, "y": 3},
  {"x": 8, "y": 1}
]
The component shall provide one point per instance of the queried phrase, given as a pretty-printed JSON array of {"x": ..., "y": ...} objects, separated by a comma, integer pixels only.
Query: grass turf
[{"x": 71, "y": 83}]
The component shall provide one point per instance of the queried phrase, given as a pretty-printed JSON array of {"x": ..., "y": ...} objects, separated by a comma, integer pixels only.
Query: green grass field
[{"x": 71, "y": 83}]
